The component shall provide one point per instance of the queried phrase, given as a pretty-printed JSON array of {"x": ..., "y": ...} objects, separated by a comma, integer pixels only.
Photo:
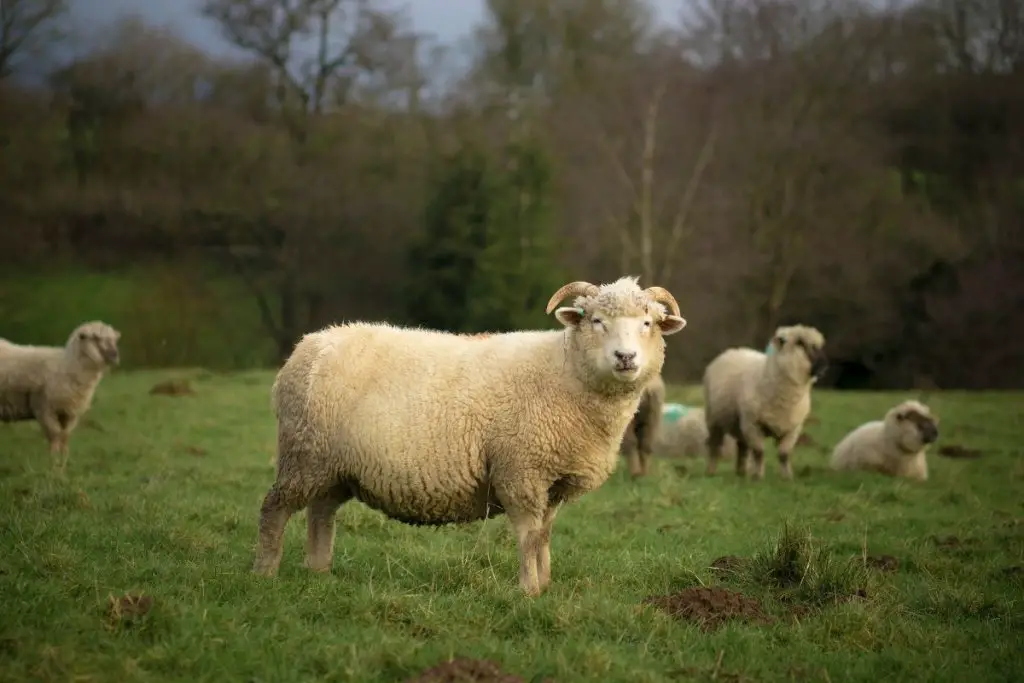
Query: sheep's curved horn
[
  {"x": 572, "y": 289},
  {"x": 662, "y": 295}
]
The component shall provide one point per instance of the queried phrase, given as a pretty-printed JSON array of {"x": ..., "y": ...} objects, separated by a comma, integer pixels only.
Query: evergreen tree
[{"x": 485, "y": 262}]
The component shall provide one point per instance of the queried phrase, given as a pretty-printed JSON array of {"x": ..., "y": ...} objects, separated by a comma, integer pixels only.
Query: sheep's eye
[
  {"x": 647, "y": 323},
  {"x": 901, "y": 417},
  {"x": 83, "y": 336},
  {"x": 598, "y": 321},
  {"x": 779, "y": 341},
  {"x": 801, "y": 343}
]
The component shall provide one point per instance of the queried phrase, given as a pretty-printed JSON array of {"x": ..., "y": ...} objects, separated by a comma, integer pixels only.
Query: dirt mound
[
  {"x": 957, "y": 451},
  {"x": 173, "y": 387},
  {"x": 885, "y": 563},
  {"x": 464, "y": 670},
  {"x": 710, "y": 606}
]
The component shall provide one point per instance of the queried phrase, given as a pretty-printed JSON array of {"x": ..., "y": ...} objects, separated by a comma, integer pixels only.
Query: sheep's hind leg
[
  {"x": 716, "y": 437},
  {"x": 277, "y": 509},
  {"x": 320, "y": 528},
  {"x": 754, "y": 440},
  {"x": 741, "y": 458}
]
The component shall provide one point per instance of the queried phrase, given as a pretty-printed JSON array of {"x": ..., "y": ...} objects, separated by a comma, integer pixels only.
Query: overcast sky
[{"x": 448, "y": 19}]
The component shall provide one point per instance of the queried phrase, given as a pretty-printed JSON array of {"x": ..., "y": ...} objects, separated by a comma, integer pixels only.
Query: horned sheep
[
  {"x": 431, "y": 428},
  {"x": 643, "y": 431},
  {"x": 894, "y": 445},
  {"x": 54, "y": 385},
  {"x": 750, "y": 395}
]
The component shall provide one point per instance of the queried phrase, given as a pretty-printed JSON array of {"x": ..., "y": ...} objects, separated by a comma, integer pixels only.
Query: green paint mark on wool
[{"x": 672, "y": 412}]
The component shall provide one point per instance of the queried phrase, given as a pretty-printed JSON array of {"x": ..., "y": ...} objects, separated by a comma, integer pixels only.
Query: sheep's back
[
  {"x": 862, "y": 445},
  {"x": 408, "y": 416},
  {"x": 730, "y": 375},
  {"x": 23, "y": 372}
]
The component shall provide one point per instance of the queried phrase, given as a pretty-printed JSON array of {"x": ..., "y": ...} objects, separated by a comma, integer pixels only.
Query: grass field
[{"x": 162, "y": 495}]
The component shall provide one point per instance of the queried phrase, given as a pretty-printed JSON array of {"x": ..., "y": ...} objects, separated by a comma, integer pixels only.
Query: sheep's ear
[
  {"x": 671, "y": 324},
  {"x": 569, "y": 316}
]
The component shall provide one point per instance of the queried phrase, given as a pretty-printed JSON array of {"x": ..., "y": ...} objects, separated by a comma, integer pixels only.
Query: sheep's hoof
[
  {"x": 319, "y": 567},
  {"x": 264, "y": 569}
]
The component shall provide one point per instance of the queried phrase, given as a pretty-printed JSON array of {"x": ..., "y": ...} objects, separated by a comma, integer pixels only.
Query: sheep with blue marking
[{"x": 751, "y": 395}]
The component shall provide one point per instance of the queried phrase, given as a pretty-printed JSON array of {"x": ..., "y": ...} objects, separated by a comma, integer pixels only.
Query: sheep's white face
[
  {"x": 96, "y": 342},
  {"x": 627, "y": 348},
  {"x": 912, "y": 426}
]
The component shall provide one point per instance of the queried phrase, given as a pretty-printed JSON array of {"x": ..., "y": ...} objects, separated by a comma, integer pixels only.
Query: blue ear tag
[
  {"x": 580, "y": 310},
  {"x": 769, "y": 350}
]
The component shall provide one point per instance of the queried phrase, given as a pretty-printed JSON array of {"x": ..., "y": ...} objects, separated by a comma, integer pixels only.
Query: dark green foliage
[{"x": 485, "y": 261}]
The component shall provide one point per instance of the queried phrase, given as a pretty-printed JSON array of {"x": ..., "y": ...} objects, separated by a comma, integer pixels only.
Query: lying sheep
[
  {"x": 54, "y": 385},
  {"x": 643, "y": 430},
  {"x": 432, "y": 428},
  {"x": 750, "y": 395},
  {"x": 894, "y": 446},
  {"x": 687, "y": 436}
]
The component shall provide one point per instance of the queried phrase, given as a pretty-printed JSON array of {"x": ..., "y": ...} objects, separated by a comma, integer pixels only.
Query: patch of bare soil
[
  {"x": 195, "y": 450},
  {"x": 957, "y": 451},
  {"x": 464, "y": 670},
  {"x": 172, "y": 387},
  {"x": 884, "y": 563},
  {"x": 710, "y": 606},
  {"x": 127, "y": 609},
  {"x": 728, "y": 563}
]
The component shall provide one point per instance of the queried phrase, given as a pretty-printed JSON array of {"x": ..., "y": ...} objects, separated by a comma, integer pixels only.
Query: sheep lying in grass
[
  {"x": 894, "y": 446},
  {"x": 641, "y": 435},
  {"x": 687, "y": 436},
  {"x": 54, "y": 385},
  {"x": 749, "y": 395},
  {"x": 433, "y": 428}
]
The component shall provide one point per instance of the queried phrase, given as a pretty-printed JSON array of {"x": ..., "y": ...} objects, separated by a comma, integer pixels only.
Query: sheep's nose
[{"x": 624, "y": 356}]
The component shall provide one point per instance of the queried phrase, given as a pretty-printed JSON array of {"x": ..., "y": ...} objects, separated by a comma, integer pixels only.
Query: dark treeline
[{"x": 768, "y": 161}]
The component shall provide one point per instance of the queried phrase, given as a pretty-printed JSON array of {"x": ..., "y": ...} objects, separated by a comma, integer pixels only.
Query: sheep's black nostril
[{"x": 625, "y": 355}]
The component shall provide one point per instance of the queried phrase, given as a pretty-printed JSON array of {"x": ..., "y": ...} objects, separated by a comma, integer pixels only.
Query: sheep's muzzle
[
  {"x": 926, "y": 427},
  {"x": 819, "y": 362}
]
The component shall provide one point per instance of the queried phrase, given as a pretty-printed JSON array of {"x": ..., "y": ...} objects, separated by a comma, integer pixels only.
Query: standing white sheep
[
  {"x": 894, "y": 445},
  {"x": 433, "y": 428},
  {"x": 750, "y": 395},
  {"x": 54, "y": 385}
]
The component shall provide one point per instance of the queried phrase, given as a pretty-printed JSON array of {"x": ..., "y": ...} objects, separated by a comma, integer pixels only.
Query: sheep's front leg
[
  {"x": 531, "y": 538},
  {"x": 786, "y": 446},
  {"x": 56, "y": 434},
  {"x": 544, "y": 550},
  {"x": 754, "y": 440}
]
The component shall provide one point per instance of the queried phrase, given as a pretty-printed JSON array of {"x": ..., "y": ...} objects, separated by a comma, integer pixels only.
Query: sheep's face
[
  {"x": 617, "y": 331},
  {"x": 96, "y": 343},
  {"x": 912, "y": 426},
  {"x": 801, "y": 351}
]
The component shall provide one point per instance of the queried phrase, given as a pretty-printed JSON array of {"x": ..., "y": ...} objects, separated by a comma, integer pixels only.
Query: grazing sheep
[
  {"x": 750, "y": 395},
  {"x": 54, "y": 385},
  {"x": 641, "y": 434},
  {"x": 432, "y": 428},
  {"x": 687, "y": 436},
  {"x": 894, "y": 446}
]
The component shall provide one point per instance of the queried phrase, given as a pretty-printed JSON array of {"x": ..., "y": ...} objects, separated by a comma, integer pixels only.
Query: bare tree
[{"x": 23, "y": 24}]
